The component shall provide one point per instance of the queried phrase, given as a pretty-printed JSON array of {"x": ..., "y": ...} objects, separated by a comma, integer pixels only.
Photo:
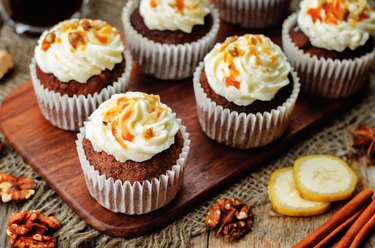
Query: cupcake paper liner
[
  {"x": 253, "y": 13},
  {"x": 241, "y": 130},
  {"x": 326, "y": 77},
  {"x": 69, "y": 113},
  {"x": 166, "y": 61},
  {"x": 139, "y": 197}
]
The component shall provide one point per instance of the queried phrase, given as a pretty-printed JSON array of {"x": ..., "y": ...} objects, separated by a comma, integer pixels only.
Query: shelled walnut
[
  {"x": 231, "y": 217},
  {"x": 14, "y": 188},
  {"x": 30, "y": 229}
]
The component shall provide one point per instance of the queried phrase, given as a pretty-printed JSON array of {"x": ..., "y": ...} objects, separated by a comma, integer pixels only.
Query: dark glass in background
[{"x": 34, "y": 16}]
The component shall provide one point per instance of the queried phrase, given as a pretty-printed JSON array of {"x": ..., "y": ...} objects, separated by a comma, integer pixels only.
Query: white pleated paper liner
[
  {"x": 165, "y": 61},
  {"x": 139, "y": 197},
  {"x": 241, "y": 130},
  {"x": 326, "y": 77},
  {"x": 69, "y": 113},
  {"x": 253, "y": 13}
]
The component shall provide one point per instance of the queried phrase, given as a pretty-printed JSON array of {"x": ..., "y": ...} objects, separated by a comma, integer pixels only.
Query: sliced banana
[
  {"x": 324, "y": 178},
  {"x": 285, "y": 198}
]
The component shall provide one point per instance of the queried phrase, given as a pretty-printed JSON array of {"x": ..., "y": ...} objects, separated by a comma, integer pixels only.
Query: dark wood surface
[{"x": 210, "y": 168}]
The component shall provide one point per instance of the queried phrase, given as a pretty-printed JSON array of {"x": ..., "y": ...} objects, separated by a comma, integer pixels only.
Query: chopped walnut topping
[
  {"x": 30, "y": 229},
  {"x": 86, "y": 25},
  {"x": 50, "y": 37},
  {"x": 76, "y": 39},
  {"x": 231, "y": 217},
  {"x": 14, "y": 188},
  {"x": 233, "y": 51}
]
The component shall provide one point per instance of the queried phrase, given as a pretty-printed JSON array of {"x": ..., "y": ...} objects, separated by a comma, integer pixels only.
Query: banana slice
[
  {"x": 324, "y": 178},
  {"x": 285, "y": 198}
]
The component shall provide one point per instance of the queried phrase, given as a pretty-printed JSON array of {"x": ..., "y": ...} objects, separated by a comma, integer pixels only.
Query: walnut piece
[
  {"x": 76, "y": 39},
  {"x": 32, "y": 229},
  {"x": 231, "y": 217},
  {"x": 16, "y": 189},
  {"x": 6, "y": 63},
  {"x": 1, "y": 148}
]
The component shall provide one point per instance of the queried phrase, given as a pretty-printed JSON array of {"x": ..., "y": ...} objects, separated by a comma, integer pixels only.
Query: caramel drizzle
[
  {"x": 111, "y": 116},
  {"x": 77, "y": 33},
  {"x": 335, "y": 12},
  {"x": 230, "y": 52}
]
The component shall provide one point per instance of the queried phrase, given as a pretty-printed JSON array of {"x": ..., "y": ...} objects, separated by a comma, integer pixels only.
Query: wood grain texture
[
  {"x": 52, "y": 153},
  {"x": 280, "y": 231}
]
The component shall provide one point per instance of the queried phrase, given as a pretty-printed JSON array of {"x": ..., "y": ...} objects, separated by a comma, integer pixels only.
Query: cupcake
[
  {"x": 245, "y": 92},
  {"x": 169, "y": 37},
  {"x": 77, "y": 65},
  {"x": 133, "y": 152},
  {"x": 330, "y": 44},
  {"x": 253, "y": 13}
]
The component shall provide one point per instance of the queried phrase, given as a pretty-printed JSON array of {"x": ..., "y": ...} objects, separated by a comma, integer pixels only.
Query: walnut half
[
  {"x": 231, "y": 217},
  {"x": 14, "y": 188},
  {"x": 30, "y": 229}
]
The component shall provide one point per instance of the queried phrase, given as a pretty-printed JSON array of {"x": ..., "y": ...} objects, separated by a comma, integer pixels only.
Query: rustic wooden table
[{"x": 278, "y": 231}]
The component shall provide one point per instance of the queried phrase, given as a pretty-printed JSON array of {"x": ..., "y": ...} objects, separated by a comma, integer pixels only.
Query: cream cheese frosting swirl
[
  {"x": 247, "y": 68},
  {"x": 336, "y": 24},
  {"x": 173, "y": 14},
  {"x": 132, "y": 126},
  {"x": 79, "y": 49}
]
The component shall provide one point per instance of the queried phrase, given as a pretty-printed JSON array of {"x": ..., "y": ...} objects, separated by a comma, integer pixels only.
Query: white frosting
[
  {"x": 173, "y": 14},
  {"x": 132, "y": 126},
  {"x": 332, "y": 31},
  {"x": 79, "y": 49},
  {"x": 247, "y": 69}
]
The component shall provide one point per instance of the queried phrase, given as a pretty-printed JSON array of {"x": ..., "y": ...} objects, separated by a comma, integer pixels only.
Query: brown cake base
[
  {"x": 93, "y": 84},
  {"x": 258, "y": 106},
  {"x": 134, "y": 171},
  {"x": 170, "y": 37},
  {"x": 303, "y": 42}
]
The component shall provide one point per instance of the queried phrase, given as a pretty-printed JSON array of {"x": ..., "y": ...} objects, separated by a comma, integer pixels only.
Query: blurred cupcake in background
[
  {"x": 77, "y": 65},
  {"x": 168, "y": 38},
  {"x": 245, "y": 92},
  {"x": 331, "y": 45},
  {"x": 255, "y": 14}
]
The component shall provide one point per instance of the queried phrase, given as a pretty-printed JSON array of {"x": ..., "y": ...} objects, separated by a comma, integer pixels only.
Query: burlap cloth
[{"x": 332, "y": 139}]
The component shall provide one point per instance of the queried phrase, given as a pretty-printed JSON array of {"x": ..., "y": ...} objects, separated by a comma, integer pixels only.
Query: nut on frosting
[
  {"x": 132, "y": 126},
  {"x": 247, "y": 68},
  {"x": 336, "y": 24},
  {"x": 78, "y": 49},
  {"x": 173, "y": 14}
]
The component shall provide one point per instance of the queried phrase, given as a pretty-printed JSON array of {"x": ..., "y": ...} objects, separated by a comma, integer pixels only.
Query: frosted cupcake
[
  {"x": 245, "y": 92},
  {"x": 253, "y": 13},
  {"x": 78, "y": 64},
  {"x": 330, "y": 44},
  {"x": 133, "y": 151},
  {"x": 169, "y": 37}
]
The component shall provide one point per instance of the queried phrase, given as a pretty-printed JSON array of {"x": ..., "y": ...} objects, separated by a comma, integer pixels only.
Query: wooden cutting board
[{"x": 211, "y": 167}]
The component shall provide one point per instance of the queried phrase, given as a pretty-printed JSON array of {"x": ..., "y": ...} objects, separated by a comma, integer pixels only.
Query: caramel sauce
[
  {"x": 154, "y": 3},
  {"x": 229, "y": 81},
  {"x": 180, "y": 5},
  {"x": 335, "y": 11},
  {"x": 102, "y": 38},
  {"x": 125, "y": 135},
  {"x": 148, "y": 134},
  {"x": 45, "y": 45}
]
